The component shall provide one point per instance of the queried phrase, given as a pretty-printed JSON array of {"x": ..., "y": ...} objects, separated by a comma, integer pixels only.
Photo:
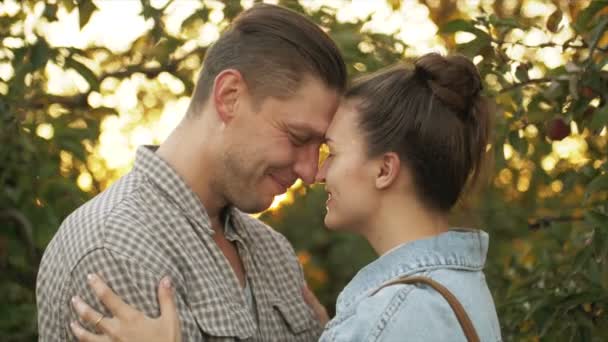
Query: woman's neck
[{"x": 402, "y": 220}]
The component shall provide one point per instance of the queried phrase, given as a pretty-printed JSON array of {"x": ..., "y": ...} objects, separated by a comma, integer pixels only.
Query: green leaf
[
  {"x": 85, "y": 10},
  {"x": 600, "y": 118},
  {"x": 504, "y": 22},
  {"x": 164, "y": 48},
  {"x": 100, "y": 113},
  {"x": 69, "y": 5},
  {"x": 475, "y": 47},
  {"x": 201, "y": 15},
  {"x": 554, "y": 19},
  {"x": 599, "y": 183},
  {"x": 50, "y": 12},
  {"x": 599, "y": 29},
  {"x": 40, "y": 54},
  {"x": 596, "y": 218},
  {"x": 457, "y": 25},
  {"x": 84, "y": 71},
  {"x": 232, "y": 9},
  {"x": 519, "y": 144},
  {"x": 584, "y": 18},
  {"x": 521, "y": 72}
]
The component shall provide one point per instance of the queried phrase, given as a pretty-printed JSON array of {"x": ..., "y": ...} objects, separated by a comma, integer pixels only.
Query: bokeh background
[{"x": 83, "y": 83}]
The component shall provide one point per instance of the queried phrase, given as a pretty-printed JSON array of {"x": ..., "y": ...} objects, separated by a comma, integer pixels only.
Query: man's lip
[{"x": 285, "y": 184}]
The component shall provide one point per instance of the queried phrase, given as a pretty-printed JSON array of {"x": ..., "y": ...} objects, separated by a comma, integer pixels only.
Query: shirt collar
[{"x": 174, "y": 188}]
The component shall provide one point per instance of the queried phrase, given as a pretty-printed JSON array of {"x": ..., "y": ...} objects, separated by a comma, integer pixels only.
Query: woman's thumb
[{"x": 168, "y": 310}]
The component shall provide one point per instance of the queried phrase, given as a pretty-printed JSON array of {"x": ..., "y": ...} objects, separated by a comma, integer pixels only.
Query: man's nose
[{"x": 307, "y": 164}]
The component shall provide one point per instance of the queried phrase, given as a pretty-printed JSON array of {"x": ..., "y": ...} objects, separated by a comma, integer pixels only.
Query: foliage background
[{"x": 65, "y": 134}]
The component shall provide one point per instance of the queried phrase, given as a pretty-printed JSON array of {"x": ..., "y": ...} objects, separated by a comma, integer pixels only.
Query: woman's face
[{"x": 348, "y": 173}]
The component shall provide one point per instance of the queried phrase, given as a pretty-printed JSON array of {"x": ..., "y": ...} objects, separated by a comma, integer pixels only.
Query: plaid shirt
[{"x": 150, "y": 224}]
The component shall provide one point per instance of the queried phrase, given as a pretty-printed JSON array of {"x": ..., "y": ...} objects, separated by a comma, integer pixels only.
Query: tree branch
[
  {"x": 543, "y": 45},
  {"x": 525, "y": 83},
  {"x": 24, "y": 231},
  {"x": 547, "y": 220},
  {"x": 80, "y": 100},
  {"x": 594, "y": 46}
]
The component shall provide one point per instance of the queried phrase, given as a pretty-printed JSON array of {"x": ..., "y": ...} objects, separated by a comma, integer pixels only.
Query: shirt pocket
[
  {"x": 297, "y": 316},
  {"x": 223, "y": 318}
]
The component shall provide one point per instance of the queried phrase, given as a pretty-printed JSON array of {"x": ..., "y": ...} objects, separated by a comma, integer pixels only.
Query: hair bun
[{"x": 453, "y": 79}]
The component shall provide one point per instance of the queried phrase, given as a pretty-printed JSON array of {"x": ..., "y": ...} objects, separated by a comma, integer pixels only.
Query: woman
[{"x": 405, "y": 144}]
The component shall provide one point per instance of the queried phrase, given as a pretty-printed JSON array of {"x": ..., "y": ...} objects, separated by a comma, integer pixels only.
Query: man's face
[{"x": 268, "y": 147}]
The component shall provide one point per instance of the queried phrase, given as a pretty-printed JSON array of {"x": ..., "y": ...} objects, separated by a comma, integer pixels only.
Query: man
[{"x": 266, "y": 94}]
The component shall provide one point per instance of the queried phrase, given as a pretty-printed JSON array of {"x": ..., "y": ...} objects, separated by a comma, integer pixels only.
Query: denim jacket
[{"x": 455, "y": 259}]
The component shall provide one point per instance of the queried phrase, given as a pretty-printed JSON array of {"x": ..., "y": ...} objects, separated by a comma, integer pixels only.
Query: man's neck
[{"x": 193, "y": 162}]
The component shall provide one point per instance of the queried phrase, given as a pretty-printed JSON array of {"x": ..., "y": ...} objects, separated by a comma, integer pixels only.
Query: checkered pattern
[{"x": 150, "y": 224}]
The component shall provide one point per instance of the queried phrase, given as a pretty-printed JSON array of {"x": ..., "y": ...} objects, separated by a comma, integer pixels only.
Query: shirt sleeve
[{"x": 135, "y": 283}]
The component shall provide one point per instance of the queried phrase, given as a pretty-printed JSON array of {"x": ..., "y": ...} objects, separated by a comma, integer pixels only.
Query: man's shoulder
[{"x": 109, "y": 216}]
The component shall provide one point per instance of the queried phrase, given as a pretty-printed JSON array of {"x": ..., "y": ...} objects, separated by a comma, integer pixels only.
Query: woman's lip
[{"x": 329, "y": 198}]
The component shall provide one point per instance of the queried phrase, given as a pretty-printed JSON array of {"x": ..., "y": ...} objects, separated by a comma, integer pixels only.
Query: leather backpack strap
[{"x": 461, "y": 315}]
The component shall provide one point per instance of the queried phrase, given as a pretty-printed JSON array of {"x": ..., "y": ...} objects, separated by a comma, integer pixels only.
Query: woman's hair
[{"x": 434, "y": 117}]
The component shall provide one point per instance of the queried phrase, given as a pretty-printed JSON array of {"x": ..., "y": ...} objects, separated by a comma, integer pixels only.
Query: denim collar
[{"x": 462, "y": 249}]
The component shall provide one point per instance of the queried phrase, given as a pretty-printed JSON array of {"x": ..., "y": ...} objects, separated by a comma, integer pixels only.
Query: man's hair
[{"x": 273, "y": 48}]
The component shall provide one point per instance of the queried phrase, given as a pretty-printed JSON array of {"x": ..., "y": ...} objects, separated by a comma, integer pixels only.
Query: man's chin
[{"x": 254, "y": 207}]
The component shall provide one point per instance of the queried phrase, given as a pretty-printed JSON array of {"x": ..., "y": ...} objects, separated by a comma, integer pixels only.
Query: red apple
[{"x": 557, "y": 129}]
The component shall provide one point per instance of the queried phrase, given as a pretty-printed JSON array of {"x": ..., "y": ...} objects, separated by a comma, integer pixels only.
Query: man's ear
[
  {"x": 228, "y": 86},
  {"x": 389, "y": 166}
]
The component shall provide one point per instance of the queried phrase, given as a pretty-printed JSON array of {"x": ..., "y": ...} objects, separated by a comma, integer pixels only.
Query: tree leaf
[
  {"x": 504, "y": 22},
  {"x": 85, "y": 10},
  {"x": 519, "y": 144},
  {"x": 457, "y": 25},
  {"x": 521, "y": 72},
  {"x": 584, "y": 18},
  {"x": 596, "y": 218},
  {"x": 50, "y": 12},
  {"x": 476, "y": 46},
  {"x": 69, "y": 5},
  {"x": 84, "y": 71},
  {"x": 599, "y": 29},
  {"x": 599, "y": 183},
  {"x": 600, "y": 118},
  {"x": 40, "y": 54},
  {"x": 554, "y": 19},
  {"x": 198, "y": 15}
]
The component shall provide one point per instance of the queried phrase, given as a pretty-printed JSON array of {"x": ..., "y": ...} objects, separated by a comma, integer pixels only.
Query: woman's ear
[
  {"x": 228, "y": 86},
  {"x": 388, "y": 171}
]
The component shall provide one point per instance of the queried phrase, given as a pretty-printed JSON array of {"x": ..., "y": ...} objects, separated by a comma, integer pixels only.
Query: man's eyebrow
[{"x": 307, "y": 129}]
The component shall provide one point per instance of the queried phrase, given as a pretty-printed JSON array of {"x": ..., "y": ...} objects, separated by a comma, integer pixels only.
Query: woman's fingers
[
  {"x": 88, "y": 314},
  {"x": 108, "y": 298},
  {"x": 168, "y": 309},
  {"x": 315, "y": 305},
  {"x": 85, "y": 336},
  {"x": 101, "y": 323}
]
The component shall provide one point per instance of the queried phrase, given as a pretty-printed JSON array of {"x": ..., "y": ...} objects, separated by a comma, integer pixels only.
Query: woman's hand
[{"x": 127, "y": 324}]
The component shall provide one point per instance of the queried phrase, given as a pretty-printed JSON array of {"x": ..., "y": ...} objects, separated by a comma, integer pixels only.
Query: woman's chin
[{"x": 331, "y": 222}]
